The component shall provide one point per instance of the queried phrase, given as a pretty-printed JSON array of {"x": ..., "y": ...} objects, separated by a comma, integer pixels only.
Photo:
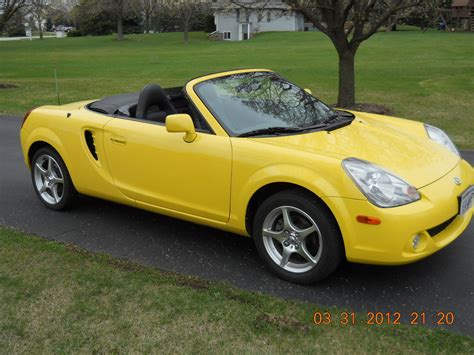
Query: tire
[
  {"x": 312, "y": 239},
  {"x": 51, "y": 180}
]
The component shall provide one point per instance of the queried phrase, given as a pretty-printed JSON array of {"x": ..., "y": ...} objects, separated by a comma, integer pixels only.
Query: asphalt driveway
[{"x": 443, "y": 282}]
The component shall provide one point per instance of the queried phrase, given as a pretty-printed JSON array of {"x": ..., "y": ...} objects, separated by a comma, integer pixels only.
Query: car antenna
[{"x": 57, "y": 86}]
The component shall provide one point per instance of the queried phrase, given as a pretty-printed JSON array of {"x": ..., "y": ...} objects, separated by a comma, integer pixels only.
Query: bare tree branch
[
  {"x": 397, "y": 7},
  {"x": 10, "y": 8},
  {"x": 348, "y": 23}
]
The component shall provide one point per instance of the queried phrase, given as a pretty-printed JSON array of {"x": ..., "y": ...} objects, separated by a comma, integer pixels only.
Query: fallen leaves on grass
[
  {"x": 193, "y": 283},
  {"x": 283, "y": 322},
  {"x": 8, "y": 86}
]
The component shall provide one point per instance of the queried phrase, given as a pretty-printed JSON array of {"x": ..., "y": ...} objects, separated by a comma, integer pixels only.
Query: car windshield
[{"x": 256, "y": 101}]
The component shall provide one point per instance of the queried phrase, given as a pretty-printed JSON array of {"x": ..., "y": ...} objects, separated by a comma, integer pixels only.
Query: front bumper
[{"x": 434, "y": 218}]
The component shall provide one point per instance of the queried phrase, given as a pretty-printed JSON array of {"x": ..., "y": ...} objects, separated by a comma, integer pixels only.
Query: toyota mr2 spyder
[{"x": 249, "y": 152}]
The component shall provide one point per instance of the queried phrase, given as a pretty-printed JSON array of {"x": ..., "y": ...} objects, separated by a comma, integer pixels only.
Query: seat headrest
[{"x": 153, "y": 95}]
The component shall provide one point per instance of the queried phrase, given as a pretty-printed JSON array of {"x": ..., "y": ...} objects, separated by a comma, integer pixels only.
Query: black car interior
[{"x": 152, "y": 103}]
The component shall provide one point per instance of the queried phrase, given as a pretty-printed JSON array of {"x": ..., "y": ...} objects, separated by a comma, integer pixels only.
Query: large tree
[
  {"x": 121, "y": 10},
  {"x": 185, "y": 11},
  {"x": 39, "y": 11},
  {"x": 10, "y": 8},
  {"x": 149, "y": 9},
  {"x": 348, "y": 23}
]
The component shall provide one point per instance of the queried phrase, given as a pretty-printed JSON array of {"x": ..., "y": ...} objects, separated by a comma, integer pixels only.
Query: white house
[{"x": 238, "y": 20}]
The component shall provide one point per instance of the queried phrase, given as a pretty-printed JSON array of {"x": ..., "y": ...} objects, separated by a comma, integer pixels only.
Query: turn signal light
[{"x": 368, "y": 220}]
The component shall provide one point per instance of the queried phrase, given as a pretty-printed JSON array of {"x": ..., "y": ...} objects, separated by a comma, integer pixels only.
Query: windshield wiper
[
  {"x": 338, "y": 114},
  {"x": 344, "y": 113},
  {"x": 338, "y": 120},
  {"x": 271, "y": 130},
  {"x": 316, "y": 126}
]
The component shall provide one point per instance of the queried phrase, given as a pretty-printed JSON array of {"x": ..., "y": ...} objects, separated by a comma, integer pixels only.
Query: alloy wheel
[
  {"x": 49, "y": 179},
  {"x": 292, "y": 239}
]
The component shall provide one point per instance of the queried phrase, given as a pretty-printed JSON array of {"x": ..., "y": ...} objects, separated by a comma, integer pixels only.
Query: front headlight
[
  {"x": 442, "y": 138},
  {"x": 381, "y": 187}
]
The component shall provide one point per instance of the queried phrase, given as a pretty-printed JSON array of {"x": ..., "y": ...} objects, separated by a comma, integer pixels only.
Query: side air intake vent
[{"x": 89, "y": 135}]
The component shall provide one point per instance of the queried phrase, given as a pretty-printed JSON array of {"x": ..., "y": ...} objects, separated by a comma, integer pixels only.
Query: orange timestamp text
[{"x": 440, "y": 318}]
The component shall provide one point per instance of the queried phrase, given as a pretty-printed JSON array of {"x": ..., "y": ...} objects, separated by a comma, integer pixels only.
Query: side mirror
[
  {"x": 181, "y": 123},
  {"x": 308, "y": 91}
]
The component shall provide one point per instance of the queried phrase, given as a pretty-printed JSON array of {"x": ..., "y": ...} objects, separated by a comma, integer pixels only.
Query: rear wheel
[
  {"x": 51, "y": 180},
  {"x": 297, "y": 237}
]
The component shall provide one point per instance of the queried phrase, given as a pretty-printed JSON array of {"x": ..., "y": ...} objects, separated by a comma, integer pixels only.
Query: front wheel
[
  {"x": 51, "y": 180},
  {"x": 297, "y": 237}
]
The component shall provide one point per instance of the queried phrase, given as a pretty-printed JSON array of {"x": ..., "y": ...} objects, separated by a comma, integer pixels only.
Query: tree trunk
[
  {"x": 392, "y": 23},
  {"x": 40, "y": 27},
  {"x": 154, "y": 23},
  {"x": 391, "y": 26},
  {"x": 147, "y": 22},
  {"x": 346, "y": 96},
  {"x": 186, "y": 32},
  {"x": 119, "y": 28}
]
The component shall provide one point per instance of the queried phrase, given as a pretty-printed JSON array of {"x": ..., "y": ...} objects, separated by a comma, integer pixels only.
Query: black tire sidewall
[
  {"x": 333, "y": 250},
  {"x": 69, "y": 192}
]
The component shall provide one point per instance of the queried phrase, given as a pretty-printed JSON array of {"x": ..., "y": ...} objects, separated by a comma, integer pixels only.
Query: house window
[{"x": 227, "y": 35}]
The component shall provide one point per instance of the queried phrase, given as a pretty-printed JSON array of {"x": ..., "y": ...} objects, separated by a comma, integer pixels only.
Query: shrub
[
  {"x": 209, "y": 25},
  {"x": 74, "y": 33},
  {"x": 132, "y": 25},
  {"x": 16, "y": 32}
]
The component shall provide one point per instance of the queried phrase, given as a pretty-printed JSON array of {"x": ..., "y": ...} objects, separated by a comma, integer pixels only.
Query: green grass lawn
[
  {"x": 57, "y": 298},
  {"x": 424, "y": 76}
]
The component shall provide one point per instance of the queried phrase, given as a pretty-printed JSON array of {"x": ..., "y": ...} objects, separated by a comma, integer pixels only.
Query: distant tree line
[
  {"x": 426, "y": 15},
  {"x": 102, "y": 17}
]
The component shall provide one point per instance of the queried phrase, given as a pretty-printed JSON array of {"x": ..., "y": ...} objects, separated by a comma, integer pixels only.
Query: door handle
[{"x": 118, "y": 140}]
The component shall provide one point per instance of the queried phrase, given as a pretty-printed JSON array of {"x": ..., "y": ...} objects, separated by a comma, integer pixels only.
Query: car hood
[{"x": 401, "y": 146}]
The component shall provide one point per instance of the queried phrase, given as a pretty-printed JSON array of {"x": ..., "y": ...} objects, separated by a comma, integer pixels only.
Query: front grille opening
[
  {"x": 440, "y": 227},
  {"x": 90, "y": 143}
]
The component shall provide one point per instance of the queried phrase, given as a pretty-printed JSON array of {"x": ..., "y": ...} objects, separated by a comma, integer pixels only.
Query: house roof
[
  {"x": 462, "y": 3},
  {"x": 250, "y": 5}
]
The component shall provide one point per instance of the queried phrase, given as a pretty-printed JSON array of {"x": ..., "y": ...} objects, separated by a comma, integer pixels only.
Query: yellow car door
[{"x": 155, "y": 167}]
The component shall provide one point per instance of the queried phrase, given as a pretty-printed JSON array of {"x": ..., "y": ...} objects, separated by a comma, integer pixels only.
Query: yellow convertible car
[{"x": 249, "y": 152}]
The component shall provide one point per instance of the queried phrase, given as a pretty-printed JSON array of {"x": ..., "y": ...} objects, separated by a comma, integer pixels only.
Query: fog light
[{"x": 415, "y": 243}]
